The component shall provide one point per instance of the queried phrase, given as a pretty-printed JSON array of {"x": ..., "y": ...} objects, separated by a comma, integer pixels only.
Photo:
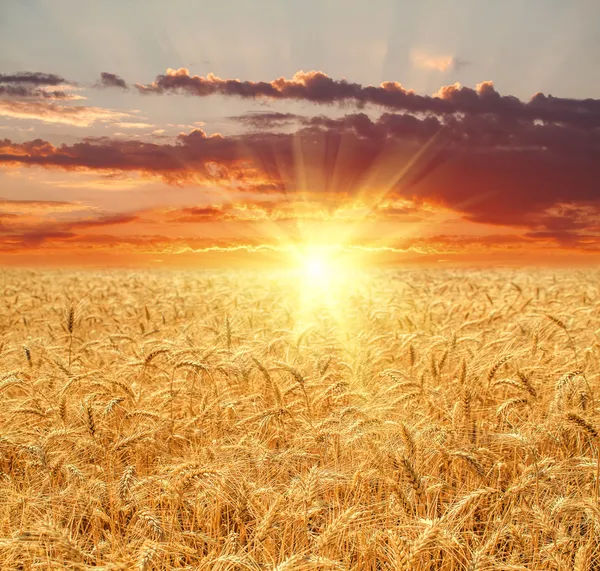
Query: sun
[
  {"x": 317, "y": 269},
  {"x": 325, "y": 278},
  {"x": 322, "y": 268}
]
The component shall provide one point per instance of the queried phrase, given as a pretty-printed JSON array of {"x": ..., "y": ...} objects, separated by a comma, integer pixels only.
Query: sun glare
[
  {"x": 317, "y": 270},
  {"x": 322, "y": 269}
]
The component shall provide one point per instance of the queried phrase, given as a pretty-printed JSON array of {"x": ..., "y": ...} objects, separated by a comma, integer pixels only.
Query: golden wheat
[{"x": 217, "y": 420}]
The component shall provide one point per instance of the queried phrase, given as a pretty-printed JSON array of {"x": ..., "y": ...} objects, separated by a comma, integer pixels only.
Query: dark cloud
[
  {"x": 32, "y": 78},
  {"x": 458, "y": 64},
  {"x": 112, "y": 80},
  {"x": 266, "y": 120},
  {"x": 31, "y": 84},
  {"x": 317, "y": 87},
  {"x": 26, "y": 91}
]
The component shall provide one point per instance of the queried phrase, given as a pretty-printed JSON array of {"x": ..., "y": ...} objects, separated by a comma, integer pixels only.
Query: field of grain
[{"x": 411, "y": 420}]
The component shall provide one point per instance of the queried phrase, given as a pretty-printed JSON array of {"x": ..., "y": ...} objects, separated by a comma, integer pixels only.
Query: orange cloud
[
  {"x": 38, "y": 206},
  {"x": 68, "y": 240},
  {"x": 132, "y": 125},
  {"x": 77, "y": 116},
  {"x": 423, "y": 60},
  {"x": 39, "y": 233}
]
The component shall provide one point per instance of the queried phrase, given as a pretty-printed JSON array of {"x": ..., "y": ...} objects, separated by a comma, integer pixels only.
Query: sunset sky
[{"x": 201, "y": 133}]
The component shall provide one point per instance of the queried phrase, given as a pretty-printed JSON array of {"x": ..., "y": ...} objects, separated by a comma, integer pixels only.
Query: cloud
[
  {"x": 131, "y": 125},
  {"x": 35, "y": 85},
  {"x": 25, "y": 237},
  {"x": 38, "y": 206},
  {"x": 33, "y": 78},
  {"x": 317, "y": 87},
  {"x": 459, "y": 64},
  {"x": 112, "y": 80},
  {"x": 290, "y": 210},
  {"x": 26, "y": 91},
  {"x": 518, "y": 174},
  {"x": 442, "y": 63},
  {"x": 16, "y": 128},
  {"x": 110, "y": 220},
  {"x": 266, "y": 119},
  {"x": 423, "y": 60},
  {"x": 78, "y": 116},
  {"x": 101, "y": 234},
  {"x": 194, "y": 154}
]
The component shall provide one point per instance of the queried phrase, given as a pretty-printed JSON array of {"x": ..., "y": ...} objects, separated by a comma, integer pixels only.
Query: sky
[{"x": 236, "y": 133}]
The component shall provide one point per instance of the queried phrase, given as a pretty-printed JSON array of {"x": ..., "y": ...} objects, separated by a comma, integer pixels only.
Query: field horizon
[{"x": 299, "y": 285}]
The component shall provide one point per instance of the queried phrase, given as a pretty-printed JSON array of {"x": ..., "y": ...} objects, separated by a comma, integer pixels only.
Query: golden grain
[{"x": 208, "y": 420}]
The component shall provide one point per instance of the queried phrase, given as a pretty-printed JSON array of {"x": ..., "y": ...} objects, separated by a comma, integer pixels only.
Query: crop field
[{"x": 241, "y": 420}]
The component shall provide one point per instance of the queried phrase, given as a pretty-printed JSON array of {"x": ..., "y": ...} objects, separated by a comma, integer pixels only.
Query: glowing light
[
  {"x": 325, "y": 278},
  {"x": 324, "y": 271},
  {"x": 317, "y": 269}
]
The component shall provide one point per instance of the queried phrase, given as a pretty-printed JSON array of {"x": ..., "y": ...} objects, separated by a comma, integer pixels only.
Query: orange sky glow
[{"x": 178, "y": 168}]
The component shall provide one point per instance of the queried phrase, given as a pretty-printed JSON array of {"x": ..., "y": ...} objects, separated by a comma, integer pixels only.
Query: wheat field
[{"x": 414, "y": 420}]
